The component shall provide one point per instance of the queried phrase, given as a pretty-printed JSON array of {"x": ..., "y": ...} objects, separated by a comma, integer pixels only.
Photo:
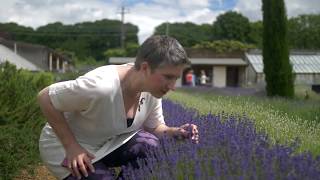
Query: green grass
[{"x": 283, "y": 120}]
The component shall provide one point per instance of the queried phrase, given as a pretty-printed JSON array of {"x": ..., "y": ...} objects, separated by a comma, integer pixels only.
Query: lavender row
[{"x": 228, "y": 149}]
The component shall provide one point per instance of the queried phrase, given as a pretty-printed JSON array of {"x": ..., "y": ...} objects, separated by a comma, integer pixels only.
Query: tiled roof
[{"x": 209, "y": 61}]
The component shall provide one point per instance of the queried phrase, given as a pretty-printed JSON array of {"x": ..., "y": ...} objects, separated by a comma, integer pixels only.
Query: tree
[
  {"x": 13, "y": 31},
  {"x": 277, "y": 67},
  {"x": 188, "y": 34},
  {"x": 130, "y": 50},
  {"x": 255, "y": 34},
  {"x": 85, "y": 39},
  {"x": 231, "y": 26},
  {"x": 304, "y": 32}
]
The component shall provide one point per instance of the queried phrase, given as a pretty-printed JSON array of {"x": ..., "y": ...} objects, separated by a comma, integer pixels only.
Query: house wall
[
  {"x": 307, "y": 79},
  {"x": 261, "y": 79},
  {"x": 218, "y": 73},
  {"x": 179, "y": 82},
  {"x": 41, "y": 56},
  {"x": 38, "y": 56},
  {"x": 255, "y": 79},
  {"x": 6, "y": 54},
  {"x": 242, "y": 76},
  {"x": 251, "y": 76},
  {"x": 316, "y": 78},
  {"x": 219, "y": 76}
]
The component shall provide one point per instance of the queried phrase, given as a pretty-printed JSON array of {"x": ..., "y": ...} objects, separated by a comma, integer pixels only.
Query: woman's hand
[
  {"x": 187, "y": 131},
  {"x": 183, "y": 132},
  {"x": 78, "y": 161}
]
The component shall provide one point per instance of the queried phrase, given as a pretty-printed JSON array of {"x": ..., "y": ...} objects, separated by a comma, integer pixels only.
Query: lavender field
[
  {"x": 285, "y": 121},
  {"x": 230, "y": 148},
  {"x": 241, "y": 137}
]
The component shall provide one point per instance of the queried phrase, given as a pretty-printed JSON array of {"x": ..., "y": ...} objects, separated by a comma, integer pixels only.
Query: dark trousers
[{"x": 126, "y": 154}]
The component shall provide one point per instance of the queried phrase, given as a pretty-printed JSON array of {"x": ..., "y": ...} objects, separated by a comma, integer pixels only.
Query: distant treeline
[
  {"x": 94, "y": 39},
  {"x": 303, "y": 31},
  {"x": 86, "y": 39}
]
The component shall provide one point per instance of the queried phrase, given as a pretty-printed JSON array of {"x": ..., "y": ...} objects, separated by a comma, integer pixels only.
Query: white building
[
  {"x": 7, "y": 54},
  {"x": 243, "y": 69},
  {"x": 38, "y": 57},
  {"x": 305, "y": 66},
  {"x": 222, "y": 71}
]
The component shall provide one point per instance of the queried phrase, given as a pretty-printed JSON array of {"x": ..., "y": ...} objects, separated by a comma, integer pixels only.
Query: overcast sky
[{"x": 146, "y": 14}]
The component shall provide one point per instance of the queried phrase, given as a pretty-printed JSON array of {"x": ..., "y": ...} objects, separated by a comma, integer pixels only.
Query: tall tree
[
  {"x": 231, "y": 26},
  {"x": 277, "y": 67}
]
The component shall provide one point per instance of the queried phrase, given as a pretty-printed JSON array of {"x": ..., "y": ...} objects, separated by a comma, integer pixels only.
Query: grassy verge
[{"x": 283, "y": 120}]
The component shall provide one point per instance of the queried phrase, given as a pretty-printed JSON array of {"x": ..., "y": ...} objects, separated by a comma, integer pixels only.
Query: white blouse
[{"x": 94, "y": 109}]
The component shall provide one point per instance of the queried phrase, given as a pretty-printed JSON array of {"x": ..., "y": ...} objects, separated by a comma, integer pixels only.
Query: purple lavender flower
[{"x": 229, "y": 148}]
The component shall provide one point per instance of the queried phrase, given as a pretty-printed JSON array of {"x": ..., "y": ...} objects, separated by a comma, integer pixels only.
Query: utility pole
[
  {"x": 167, "y": 28},
  {"x": 123, "y": 28}
]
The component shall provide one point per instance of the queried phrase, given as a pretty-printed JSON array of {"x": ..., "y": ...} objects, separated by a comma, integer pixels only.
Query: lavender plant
[{"x": 228, "y": 149}]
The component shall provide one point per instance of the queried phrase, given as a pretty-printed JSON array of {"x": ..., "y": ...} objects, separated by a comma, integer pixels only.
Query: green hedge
[{"x": 20, "y": 118}]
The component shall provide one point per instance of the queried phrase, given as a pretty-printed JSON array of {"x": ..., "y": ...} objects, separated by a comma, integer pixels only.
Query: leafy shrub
[
  {"x": 130, "y": 50},
  {"x": 20, "y": 120},
  {"x": 18, "y": 90},
  {"x": 116, "y": 52},
  {"x": 222, "y": 46}
]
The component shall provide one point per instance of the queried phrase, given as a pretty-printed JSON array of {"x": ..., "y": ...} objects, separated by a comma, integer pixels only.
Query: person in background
[
  {"x": 190, "y": 78},
  {"x": 203, "y": 78},
  {"x": 111, "y": 115}
]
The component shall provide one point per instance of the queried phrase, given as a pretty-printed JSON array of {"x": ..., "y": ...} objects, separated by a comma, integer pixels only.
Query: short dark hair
[{"x": 161, "y": 50}]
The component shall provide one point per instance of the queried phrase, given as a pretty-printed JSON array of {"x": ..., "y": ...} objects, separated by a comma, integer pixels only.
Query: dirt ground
[{"x": 41, "y": 173}]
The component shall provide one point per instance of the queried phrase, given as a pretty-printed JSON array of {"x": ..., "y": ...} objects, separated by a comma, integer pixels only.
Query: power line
[
  {"x": 69, "y": 33},
  {"x": 123, "y": 30}
]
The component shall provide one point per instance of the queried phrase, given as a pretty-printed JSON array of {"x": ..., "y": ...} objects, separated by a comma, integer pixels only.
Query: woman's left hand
[{"x": 188, "y": 131}]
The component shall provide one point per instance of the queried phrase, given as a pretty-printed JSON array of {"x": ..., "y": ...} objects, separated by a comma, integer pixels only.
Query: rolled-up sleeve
[
  {"x": 74, "y": 95},
  {"x": 155, "y": 118}
]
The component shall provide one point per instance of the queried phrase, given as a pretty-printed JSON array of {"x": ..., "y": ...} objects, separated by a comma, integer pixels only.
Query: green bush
[
  {"x": 224, "y": 46},
  {"x": 130, "y": 50},
  {"x": 117, "y": 52},
  {"x": 20, "y": 119}
]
